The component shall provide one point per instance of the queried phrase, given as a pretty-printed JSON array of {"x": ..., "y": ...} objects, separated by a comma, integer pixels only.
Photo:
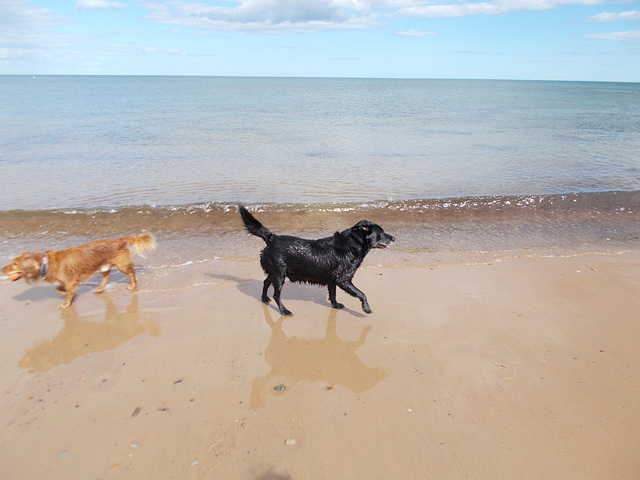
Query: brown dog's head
[{"x": 25, "y": 265}]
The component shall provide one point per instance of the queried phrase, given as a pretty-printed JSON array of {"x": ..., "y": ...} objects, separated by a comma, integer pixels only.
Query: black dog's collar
[{"x": 44, "y": 265}]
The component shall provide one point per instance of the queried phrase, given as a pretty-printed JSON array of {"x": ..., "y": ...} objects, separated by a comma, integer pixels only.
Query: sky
[{"x": 585, "y": 40}]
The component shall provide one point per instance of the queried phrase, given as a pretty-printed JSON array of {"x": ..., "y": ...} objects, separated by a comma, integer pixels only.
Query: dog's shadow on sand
[
  {"x": 292, "y": 291},
  {"x": 45, "y": 291},
  {"x": 41, "y": 292}
]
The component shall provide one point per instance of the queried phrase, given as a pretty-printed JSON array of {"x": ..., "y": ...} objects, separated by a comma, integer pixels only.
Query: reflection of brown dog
[
  {"x": 71, "y": 266},
  {"x": 90, "y": 334}
]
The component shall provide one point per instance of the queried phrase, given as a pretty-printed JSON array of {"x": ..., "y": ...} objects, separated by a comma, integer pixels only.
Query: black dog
[{"x": 330, "y": 261}]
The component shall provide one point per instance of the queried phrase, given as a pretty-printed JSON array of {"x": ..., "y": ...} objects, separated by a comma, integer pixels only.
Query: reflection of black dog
[{"x": 330, "y": 261}]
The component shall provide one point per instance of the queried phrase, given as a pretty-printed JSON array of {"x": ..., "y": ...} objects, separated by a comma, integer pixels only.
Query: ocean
[{"x": 453, "y": 168}]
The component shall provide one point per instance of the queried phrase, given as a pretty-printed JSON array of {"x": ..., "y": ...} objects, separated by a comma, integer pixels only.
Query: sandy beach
[
  {"x": 503, "y": 343},
  {"x": 525, "y": 368}
]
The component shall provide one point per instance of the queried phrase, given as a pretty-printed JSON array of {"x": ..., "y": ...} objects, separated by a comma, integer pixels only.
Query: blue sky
[{"x": 502, "y": 39}]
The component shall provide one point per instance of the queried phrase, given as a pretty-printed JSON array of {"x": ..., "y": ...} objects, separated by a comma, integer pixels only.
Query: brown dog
[{"x": 71, "y": 266}]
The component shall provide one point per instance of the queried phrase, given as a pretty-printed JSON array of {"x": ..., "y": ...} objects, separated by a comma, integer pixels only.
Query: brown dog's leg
[
  {"x": 132, "y": 279},
  {"x": 123, "y": 263},
  {"x": 103, "y": 283},
  {"x": 71, "y": 294}
]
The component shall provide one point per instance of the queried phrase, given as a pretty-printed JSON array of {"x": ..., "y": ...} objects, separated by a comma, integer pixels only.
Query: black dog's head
[{"x": 372, "y": 234}]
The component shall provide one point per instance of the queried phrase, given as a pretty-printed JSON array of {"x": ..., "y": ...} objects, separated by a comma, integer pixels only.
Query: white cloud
[
  {"x": 99, "y": 5},
  {"x": 614, "y": 17},
  {"x": 29, "y": 35},
  {"x": 415, "y": 33},
  {"x": 19, "y": 14},
  {"x": 497, "y": 7},
  {"x": 632, "y": 36},
  {"x": 267, "y": 16},
  {"x": 26, "y": 32},
  {"x": 310, "y": 16}
]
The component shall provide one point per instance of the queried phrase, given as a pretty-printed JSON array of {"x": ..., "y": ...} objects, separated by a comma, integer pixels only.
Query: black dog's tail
[{"x": 254, "y": 226}]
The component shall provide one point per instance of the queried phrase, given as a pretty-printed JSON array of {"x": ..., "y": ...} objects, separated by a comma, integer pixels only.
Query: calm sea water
[{"x": 516, "y": 164}]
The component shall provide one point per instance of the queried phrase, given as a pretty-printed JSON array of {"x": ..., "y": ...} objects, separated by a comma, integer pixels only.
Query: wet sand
[{"x": 525, "y": 368}]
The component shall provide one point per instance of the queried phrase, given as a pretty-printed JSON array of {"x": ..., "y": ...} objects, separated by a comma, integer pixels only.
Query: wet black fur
[{"x": 330, "y": 261}]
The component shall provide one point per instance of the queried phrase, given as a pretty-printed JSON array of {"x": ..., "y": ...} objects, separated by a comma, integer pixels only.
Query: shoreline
[
  {"x": 521, "y": 368},
  {"x": 443, "y": 236}
]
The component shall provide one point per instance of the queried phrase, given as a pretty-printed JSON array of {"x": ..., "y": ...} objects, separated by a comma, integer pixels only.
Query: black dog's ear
[{"x": 363, "y": 226}]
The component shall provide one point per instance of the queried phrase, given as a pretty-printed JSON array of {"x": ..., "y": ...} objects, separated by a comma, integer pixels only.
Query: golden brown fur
[{"x": 71, "y": 266}]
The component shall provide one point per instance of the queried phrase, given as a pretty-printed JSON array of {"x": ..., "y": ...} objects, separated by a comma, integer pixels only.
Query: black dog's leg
[
  {"x": 352, "y": 290},
  {"x": 277, "y": 288},
  {"x": 267, "y": 284},
  {"x": 332, "y": 296}
]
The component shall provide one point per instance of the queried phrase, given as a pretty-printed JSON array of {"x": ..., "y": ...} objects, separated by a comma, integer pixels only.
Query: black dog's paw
[
  {"x": 266, "y": 299},
  {"x": 286, "y": 313},
  {"x": 338, "y": 306},
  {"x": 366, "y": 309}
]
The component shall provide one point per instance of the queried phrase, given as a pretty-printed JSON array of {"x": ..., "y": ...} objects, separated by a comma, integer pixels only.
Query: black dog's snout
[{"x": 388, "y": 239}]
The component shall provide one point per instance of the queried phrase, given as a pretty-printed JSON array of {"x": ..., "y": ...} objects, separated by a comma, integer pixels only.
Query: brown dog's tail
[{"x": 142, "y": 243}]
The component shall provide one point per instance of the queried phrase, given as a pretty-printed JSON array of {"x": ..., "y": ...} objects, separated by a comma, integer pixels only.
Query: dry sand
[{"x": 527, "y": 368}]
